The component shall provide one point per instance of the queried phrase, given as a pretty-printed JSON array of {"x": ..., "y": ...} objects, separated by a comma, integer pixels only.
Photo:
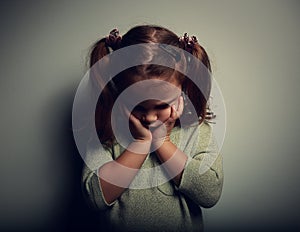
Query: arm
[
  {"x": 166, "y": 150},
  {"x": 202, "y": 178},
  {"x": 176, "y": 160},
  {"x": 199, "y": 175},
  {"x": 116, "y": 176},
  {"x": 103, "y": 186}
]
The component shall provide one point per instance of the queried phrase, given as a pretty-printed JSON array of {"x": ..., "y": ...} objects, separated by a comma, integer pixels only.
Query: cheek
[{"x": 164, "y": 114}]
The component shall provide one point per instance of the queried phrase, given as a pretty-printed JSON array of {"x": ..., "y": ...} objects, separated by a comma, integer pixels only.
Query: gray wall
[{"x": 254, "y": 47}]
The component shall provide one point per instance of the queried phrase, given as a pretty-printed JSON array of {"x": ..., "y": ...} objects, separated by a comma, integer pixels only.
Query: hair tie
[
  {"x": 188, "y": 41},
  {"x": 113, "y": 40}
]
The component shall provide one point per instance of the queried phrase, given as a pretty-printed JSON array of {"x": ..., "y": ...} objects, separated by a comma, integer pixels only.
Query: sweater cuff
[
  {"x": 98, "y": 184},
  {"x": 204, "y": 188}
]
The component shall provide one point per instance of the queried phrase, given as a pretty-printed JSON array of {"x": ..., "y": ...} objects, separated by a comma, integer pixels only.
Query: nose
[{"x": 149, "y": 117}]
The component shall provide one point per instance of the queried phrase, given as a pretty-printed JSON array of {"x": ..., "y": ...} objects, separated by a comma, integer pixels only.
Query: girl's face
[
  {"x": 152, "y": 113},
  {"x": 154, "y": 101}
]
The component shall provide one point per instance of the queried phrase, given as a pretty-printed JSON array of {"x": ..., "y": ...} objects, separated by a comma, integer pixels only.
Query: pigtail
[
  {"x": 98, "y": 50},
  {"x": 199, "y": 98},
  {"x": 106, "y": 99},
  {"x": 98, "y": 71},
  {"x": 206, "y": 81}
]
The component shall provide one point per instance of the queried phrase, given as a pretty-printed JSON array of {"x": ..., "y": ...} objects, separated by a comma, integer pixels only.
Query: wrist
[
  {"x": 140, "y": 146},
  {"x": 158, "y": 143}
]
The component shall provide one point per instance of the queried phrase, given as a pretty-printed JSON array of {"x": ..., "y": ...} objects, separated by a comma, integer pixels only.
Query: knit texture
[{"x": 163, "y": 207}]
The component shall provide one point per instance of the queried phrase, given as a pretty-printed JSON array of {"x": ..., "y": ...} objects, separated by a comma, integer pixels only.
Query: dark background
[{"x": 254, "y": 48}]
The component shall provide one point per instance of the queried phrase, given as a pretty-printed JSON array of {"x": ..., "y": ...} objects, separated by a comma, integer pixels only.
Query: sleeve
[
  {"x": 202, "y": 178},
  {"x": 90, "y": 182}
]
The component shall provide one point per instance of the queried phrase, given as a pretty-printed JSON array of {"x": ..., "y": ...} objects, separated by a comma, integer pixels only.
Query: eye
[
  {"x": 139, "y": 108},
  {"x": 162, "y": 107}
]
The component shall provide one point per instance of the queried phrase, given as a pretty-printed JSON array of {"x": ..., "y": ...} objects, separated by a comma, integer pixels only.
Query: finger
[
  {"x": 173, "y": 115},
  {"x": 134, "y": 120},
  {"x": 180, "y": 106},
  {"x": 130, "y": 116}
]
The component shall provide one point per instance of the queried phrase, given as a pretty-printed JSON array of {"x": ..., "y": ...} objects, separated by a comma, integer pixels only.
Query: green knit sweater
[{"x": 164, "y": 206}]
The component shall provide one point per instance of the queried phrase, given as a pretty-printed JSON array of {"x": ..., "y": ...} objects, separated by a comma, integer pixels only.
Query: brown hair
[{"x": 137, "y": 35}]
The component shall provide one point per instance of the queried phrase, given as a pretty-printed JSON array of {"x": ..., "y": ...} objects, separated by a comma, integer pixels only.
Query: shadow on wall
[{"x": 74, "y": 213}]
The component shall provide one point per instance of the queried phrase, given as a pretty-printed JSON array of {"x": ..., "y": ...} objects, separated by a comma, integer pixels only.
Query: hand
[
  {"x": 138, "y": 131},
  {"x": 162, "y": 133}
]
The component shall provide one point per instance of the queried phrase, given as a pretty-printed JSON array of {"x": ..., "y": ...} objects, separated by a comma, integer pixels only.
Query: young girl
[{"x": 158, "y": 99}]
